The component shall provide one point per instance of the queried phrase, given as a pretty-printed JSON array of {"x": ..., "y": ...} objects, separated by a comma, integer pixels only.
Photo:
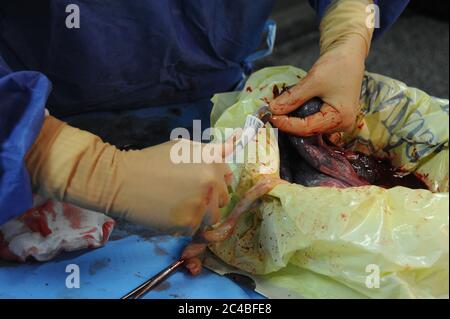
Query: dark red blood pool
[
  {"x": 390, "y": 177},
  {"x": 380, "y": 172}
]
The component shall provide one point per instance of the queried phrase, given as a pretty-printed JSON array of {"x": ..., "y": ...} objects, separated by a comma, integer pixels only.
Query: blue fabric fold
[{"x": 22, "y": 108}]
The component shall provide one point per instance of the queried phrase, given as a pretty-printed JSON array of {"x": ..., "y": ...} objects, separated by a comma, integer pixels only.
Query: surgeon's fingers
[
  {"x": 294, "y": 97},
  {"x": 224, "y": 177},
  {"x": 230, "y": 143},
  {"x": 212, "y": 211},
  {"x": 193, "y": 250},
  {"x": 328, "y": 120},
  {"x": 194, "y": 265},
  {"x": 224, "y": 197},
  {"x": 223, "y": 149},
  {"x": 228, "y": 176},
  {"x": 216, "y": 152},
  {"x": 226, "y": 173}
]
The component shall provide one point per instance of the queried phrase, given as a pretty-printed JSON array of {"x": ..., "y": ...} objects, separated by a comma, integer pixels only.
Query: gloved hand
[
  {"x": 336, "y": 77},
  {"x": 144, "y": 187}
]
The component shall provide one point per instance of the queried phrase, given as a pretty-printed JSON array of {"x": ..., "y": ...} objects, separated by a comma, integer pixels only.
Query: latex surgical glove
[
  {"x": 143, "y": 186},
  {"x": 336, "y": 77}
]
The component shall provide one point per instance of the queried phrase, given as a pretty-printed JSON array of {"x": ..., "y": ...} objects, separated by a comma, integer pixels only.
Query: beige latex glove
[
  {"x": 336, "y": 77},
  {"x": 144, "y": 186}
]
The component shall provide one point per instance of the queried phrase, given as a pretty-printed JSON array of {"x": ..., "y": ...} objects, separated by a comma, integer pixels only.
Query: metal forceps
[{"x": 154, "y": 281}]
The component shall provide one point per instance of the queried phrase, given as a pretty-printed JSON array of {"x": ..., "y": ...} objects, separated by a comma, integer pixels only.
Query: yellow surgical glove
[
  {"x": 336, "y": 77},
  {"x": 144, "y": 187}
]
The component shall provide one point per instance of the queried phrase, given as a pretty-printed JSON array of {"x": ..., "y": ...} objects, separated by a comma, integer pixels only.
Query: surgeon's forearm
[
  {"x": 64, "y": 161},
  {"x": 346, "y": 21}
]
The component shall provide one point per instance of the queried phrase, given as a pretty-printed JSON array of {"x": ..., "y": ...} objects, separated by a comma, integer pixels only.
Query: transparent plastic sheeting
[{"x": 360, "y": 242}]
